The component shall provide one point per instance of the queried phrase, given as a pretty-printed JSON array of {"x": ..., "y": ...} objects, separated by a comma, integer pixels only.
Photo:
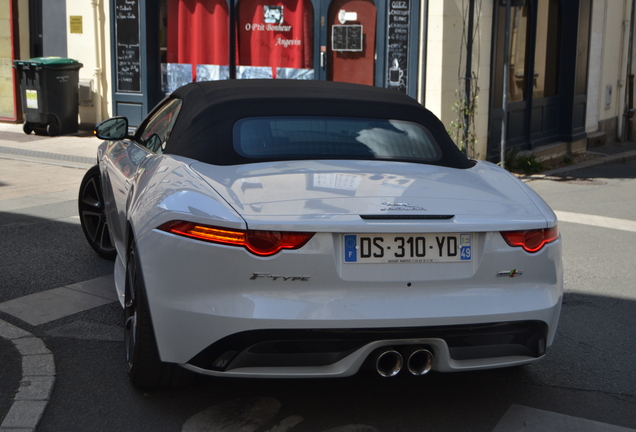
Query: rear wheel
[
  {"x": 92, "y": 215},
  {"x": 145, "y": 368},
  {"x": 26, "y": 128}
]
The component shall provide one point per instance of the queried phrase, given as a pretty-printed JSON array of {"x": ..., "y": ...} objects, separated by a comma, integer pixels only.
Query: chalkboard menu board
[
  {"x": 127, "y": 37},
  {"x": 346, "y": 37},
  {"x": 398, "y": 44}
]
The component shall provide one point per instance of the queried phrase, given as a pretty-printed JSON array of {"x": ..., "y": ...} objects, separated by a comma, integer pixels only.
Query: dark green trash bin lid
[{"x": 49, "y": 62}]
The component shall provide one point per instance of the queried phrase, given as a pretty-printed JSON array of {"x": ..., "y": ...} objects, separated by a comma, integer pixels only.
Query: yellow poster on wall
[{"x": 76, "y": 24}]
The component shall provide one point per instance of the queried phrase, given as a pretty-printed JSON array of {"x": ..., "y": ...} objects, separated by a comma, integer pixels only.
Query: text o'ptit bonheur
[{"x": 267, "y": 27}]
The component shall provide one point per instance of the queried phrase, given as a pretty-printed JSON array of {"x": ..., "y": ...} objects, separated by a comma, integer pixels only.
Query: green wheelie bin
[{"x": 48, "y": 86}]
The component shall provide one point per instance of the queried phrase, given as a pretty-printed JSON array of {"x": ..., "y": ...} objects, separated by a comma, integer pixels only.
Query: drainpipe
[
  {"x": 504, "y": 103},
  {"x": 97, "y": 73},
  {"x": 629, "y": 96},
  {"x": 620, "y": 87},
  {"x": 421, "y": 73}
]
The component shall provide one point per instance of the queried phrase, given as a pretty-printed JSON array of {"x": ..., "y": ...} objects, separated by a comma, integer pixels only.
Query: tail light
[
  {"x": 261, "y": 243},
  {"x": 531, "y": 240}
]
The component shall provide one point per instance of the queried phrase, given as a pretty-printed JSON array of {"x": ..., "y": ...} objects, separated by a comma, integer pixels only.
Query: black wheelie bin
[{"x": 48, "y": 86}]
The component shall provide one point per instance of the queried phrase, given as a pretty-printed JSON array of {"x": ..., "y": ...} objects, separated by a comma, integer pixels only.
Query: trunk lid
[{"x": 331, "y": 196}]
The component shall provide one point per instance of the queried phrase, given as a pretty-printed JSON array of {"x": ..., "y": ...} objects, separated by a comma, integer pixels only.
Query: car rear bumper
[
  {"x": 219, "y": 320},
  {"x": 342, "y": 352}
]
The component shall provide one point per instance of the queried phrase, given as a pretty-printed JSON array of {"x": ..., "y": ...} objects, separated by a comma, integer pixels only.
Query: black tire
[
  {"x": 92, "y": 215},
  {"x": 26, "y": 128},
  {"x": 145, "y": 369},
  {"x": 52, "y": 129}
]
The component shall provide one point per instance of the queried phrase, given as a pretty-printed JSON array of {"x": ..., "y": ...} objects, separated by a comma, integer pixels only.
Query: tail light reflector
[
  {"x": 531, "y": 240},
  {"x": 261, "y": 243}
]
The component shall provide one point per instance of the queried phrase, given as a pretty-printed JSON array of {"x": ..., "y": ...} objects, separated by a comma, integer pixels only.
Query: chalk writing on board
[
  {"x": 128, "y": 52},
  {"x": 398, "y": 44}
]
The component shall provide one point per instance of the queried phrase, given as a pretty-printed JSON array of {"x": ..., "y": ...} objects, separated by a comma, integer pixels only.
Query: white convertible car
[{"x": 311, "y": 229}]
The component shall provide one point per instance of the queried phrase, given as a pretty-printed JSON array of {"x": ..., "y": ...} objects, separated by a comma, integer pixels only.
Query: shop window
[
  {"x": 518, "y": 44},
  {"x": 275, "y": 39},
  {"x": 583, "y": 48},
  {"x": 517, "y": 54},
  {"x": 545, "y": 77},
  {"x": 194, "y": 37},
  {"x": 546, "y": 56}
]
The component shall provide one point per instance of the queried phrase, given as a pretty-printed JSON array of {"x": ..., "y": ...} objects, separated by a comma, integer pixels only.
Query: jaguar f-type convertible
[{"x": 311, "y": 229}]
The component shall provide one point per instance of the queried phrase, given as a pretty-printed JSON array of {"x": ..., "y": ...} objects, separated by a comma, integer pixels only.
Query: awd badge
[{"x": 509, "y": 273}]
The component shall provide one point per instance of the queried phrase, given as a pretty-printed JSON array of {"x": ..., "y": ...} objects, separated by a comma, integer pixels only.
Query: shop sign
[
  {"x": 76, "y": 24},
  {"x": 273, "y": 36},
  {"x": 127, "y": 39},
  {"x": 398, "y": 44},
  {"x": 346, "y": 37}
]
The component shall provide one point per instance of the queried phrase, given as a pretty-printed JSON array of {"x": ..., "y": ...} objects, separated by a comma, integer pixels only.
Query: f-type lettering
[{"x": 279, "y": 277}]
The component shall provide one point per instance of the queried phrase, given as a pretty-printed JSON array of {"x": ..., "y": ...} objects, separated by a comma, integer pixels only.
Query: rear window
[{"x": 276, "y": 138}]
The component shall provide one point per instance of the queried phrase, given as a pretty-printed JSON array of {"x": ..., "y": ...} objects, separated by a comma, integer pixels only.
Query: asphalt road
[{"x": 588, "y": 374}]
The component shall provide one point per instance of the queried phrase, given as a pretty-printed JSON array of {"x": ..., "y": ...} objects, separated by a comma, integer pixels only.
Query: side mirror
[{"x": 115, "y": 128}]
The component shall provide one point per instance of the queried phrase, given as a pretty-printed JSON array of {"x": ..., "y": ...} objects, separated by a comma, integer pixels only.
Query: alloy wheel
[{"x": 93, "y": 217}]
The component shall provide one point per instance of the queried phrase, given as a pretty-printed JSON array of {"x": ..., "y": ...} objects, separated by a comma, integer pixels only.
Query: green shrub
[{"x": 523, "y": 164}]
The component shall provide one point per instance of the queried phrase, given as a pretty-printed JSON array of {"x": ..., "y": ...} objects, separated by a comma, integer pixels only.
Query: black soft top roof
[{"x": 203, "y": 130}]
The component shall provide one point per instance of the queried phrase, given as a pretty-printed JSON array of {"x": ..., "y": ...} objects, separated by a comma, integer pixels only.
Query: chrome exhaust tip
[
  {"x": 420, "y": 362},
  {"x": 389, "y": 363}
]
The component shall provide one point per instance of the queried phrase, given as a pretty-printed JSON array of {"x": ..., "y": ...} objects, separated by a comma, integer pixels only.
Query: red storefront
[{"x": 160, "y": 46}]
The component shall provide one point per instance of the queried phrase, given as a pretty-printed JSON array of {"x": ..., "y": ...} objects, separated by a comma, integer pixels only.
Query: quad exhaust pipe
[{"x": 390, "y": 362}]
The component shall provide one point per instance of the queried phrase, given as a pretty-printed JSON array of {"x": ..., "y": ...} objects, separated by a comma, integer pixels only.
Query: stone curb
[
  {"x": 604, "y": 160},
  {"x": 69, "y": 161},
  {"x": 36, "y": 384}
]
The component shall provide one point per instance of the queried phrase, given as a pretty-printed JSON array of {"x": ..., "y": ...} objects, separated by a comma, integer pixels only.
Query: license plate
[{"x": 407, "y": 248}]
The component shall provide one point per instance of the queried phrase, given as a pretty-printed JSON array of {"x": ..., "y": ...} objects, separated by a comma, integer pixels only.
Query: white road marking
[
  {"x": 599, "y": 221},
  {"x": 520, "y": 418},
  {"x": 353, "y": 428},
  {"x": 245, "y": 415},
  {"x": 57, "y": 303},
  {"x": 287, "y": 424}
]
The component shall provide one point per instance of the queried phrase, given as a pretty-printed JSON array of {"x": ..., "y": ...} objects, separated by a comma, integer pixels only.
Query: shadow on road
[
  {"x": 587, "y": 373},
  {"x": 612, "y": 171},
  {"x": 38, "y": 254}
]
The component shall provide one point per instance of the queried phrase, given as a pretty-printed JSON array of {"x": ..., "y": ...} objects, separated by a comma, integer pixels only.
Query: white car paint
[{"x": 201, "y": 292}]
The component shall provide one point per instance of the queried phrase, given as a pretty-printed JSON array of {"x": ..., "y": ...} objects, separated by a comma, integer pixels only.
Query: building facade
[{"x": 539, "y": 72}]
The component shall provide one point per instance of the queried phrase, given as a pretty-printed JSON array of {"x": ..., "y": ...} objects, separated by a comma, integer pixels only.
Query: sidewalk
[{"x": 75, "y": 151}]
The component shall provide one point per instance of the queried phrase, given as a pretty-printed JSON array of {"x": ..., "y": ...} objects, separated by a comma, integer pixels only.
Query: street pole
[{"x": 469, "y": 67}]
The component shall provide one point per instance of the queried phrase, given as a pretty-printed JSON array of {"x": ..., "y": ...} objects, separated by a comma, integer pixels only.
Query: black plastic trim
[
  {"x": 312, "y": 347},
  {"x": 406, "y": 216}
]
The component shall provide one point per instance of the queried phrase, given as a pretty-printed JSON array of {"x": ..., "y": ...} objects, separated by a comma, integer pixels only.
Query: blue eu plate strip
[
  {"x": 465, "y": 251},
  {"x": 351, "y": 253}
]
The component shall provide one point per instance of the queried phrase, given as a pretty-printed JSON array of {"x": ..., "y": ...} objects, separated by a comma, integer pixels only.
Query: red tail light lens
[
  {"x": 531, "y": 240},
  {"x": 262, "y": 243}
]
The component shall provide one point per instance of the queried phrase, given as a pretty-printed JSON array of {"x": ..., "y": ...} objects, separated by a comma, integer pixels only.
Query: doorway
[{"x": 532, "y": 108}]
